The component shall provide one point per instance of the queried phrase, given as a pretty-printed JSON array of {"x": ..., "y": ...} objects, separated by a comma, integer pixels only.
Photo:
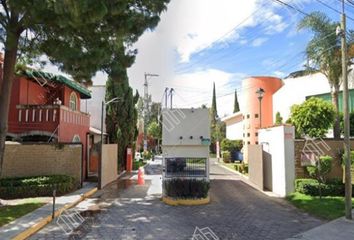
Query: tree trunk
[
  {"x": 11, "y": 45},
  {"x": 336, "y": 124}
]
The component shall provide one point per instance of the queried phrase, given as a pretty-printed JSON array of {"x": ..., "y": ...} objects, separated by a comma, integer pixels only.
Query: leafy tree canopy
[{"x": 313, "y": 117}]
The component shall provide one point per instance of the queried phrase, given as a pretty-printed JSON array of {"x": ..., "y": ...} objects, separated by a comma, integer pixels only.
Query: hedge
[
  {"x": 38, "y": 186},
  {"x": 241, "y": 167},
  {"x": 311, "y": 187},
  {"x": 186, "y": 188}
]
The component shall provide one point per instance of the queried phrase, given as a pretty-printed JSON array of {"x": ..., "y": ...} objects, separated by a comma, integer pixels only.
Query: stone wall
[
  {"x": 109, "y": 164},
  {"x": 335, "y": 149},
  {"x": 22, "y": 160}
]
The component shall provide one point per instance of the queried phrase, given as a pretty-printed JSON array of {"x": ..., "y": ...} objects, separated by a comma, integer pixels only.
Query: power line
[
  {"x": 332, "y": 8},
  {"x": 291, "y": 6}
]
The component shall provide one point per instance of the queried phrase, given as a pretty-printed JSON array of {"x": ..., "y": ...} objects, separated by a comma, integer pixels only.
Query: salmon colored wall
[
  {"x": 31, "y": 93},
  {"x": 251, "y": 105}
]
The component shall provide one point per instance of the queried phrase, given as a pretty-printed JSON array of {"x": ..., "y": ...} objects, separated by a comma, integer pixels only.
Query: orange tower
[{"x": 252, "y": 116}]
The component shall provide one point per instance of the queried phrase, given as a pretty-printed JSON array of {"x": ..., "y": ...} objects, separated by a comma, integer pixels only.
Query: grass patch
[
  {"x": 137, "y": 164},
  {"x": 328, "y": 208},
  {"x": 11, "y": 212},
  {"x": 229, "y": 165}
]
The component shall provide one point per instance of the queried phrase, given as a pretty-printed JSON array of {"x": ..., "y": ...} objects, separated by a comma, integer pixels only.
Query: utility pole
[
  {"x": 171, "y": 96},
  {"x": 348, "y": 181},
  {"x": 146, "y": 105}
]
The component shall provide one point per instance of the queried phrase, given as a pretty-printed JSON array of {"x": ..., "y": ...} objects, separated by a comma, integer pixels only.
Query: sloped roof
[{"x": 30, "y": 73}]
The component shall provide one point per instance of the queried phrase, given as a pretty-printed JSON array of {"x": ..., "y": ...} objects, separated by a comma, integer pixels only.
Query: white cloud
[
  {"x": 188, "y": 27},
  {"x": 195, "y": 89},
  {"x": 259, "y": 42},
  {"x": 279, "y": 74}
]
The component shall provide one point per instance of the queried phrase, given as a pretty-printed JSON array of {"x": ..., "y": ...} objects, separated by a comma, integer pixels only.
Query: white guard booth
[{"x": 185, "y": 143}]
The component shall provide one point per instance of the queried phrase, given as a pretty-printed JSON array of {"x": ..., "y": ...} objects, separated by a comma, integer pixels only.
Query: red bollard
[
  {"x": 129, "y": 160},
  {"x": 141, "y": 180}
]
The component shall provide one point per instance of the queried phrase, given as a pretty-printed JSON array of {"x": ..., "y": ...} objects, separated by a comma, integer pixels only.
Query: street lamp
[
  {"x": 146, "y": 96},
  {"x": 116, "y": 99},
  {"x": 260, "y": 92}
]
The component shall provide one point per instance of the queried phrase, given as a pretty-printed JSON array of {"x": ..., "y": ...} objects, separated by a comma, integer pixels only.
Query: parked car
[{"x": 175, "y": 164}]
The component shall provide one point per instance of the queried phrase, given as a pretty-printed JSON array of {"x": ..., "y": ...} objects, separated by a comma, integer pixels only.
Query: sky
[{"x": 198, "y": 42}]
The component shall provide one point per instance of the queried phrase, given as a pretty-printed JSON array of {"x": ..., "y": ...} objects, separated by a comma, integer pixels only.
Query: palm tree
[{"x": 323, "y": 51}]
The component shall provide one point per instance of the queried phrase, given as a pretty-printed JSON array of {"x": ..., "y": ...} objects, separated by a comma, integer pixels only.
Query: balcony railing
[{"x": 46, "y": 117}]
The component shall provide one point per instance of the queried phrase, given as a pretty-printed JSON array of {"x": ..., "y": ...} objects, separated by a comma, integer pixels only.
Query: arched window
[
  {"x": 76, "y": 139},
  {"x": 73, "y": 101}
]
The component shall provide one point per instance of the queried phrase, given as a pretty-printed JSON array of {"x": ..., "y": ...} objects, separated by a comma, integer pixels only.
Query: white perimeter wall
[
  {"x": 94, "y": 105},
  {"x": 279, "y": 143},
  {"x": 234, "y": 131},
  {"x": 295, "y": 90}
]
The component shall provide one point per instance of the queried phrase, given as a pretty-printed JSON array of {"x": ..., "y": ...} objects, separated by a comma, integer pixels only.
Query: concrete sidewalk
[
  {"x": 25, "y": 226},
  {"x": 340, "y": 229}
]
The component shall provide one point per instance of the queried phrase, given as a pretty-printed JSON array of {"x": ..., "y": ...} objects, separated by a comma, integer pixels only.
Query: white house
[
  {"x": 295, "y": 90},
  {"x": 234, "y": 126}
]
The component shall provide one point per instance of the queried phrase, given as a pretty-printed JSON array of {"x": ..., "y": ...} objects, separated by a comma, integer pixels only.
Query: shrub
[
  {"x": 231, "y": 145},
  {"x": 322, "y": 167},
  {"x": 226, "y": 156},
  {"x": 137, "y": 164},
  {"x": 186, "y": 188},
  {"x": 241, "y": 167},
  {"x": 39, "y": 186},
  {"x": 147, "y": 155},
  {"x": 312, "y": 187}
]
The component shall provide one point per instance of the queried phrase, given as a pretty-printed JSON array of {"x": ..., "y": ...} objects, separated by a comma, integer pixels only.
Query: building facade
[{"x": 46, "y": 108}]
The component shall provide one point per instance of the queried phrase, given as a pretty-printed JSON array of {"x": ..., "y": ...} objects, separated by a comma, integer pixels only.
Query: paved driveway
[{"x": 237, "y": 211}]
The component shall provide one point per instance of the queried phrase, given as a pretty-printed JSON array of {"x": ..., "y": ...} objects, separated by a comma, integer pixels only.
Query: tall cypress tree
[
  {"x": 236, "y": 105},
  {"x": 213, "y": 110},
  {"x": 122, "y": 116}
]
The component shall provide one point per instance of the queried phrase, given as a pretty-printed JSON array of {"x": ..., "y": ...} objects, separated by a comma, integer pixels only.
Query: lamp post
[
  {"x": 260, "y": 93},
  {"x": 146, "y": 96},
  {"x": 101, "y": 152}
]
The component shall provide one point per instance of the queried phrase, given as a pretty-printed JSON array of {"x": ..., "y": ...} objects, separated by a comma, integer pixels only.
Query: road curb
[
  {"x": 246, "y": 180},
  {"x": 44, "y": 221},
  {"x": 185, "y": 202}
]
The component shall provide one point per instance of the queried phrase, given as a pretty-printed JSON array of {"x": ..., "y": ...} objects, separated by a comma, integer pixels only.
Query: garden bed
[
  {"x": 24, "y": 187},
  {"x": 180, "y": 191}
]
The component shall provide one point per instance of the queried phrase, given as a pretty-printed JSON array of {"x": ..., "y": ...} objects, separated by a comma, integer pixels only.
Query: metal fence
[{"x": 186, "y": 167}]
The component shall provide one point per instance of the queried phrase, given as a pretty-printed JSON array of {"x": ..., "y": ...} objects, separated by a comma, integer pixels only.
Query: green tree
[
  {"x": 323, "y": 50},
  {"x": 81, "y": 37},
  {"x": 321, "y": 168},
  {"x": 313, "y": 117},
  {"x": 236, "y": 104},
  {"x": 24, "y": 25},
  {"x": 278, "y": 119},
  {"x": 121, "y": 117},
  {"x": 154, "y": 130}
]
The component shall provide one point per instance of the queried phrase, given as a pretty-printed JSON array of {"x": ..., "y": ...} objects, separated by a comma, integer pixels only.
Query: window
[
  {"x": 243, "y": 135},
  {"x": 256, "y": 134},
  {"x": 248, "y": 134},
  {"x": 257, "y": 142},
  {"x": 248, "y": 143},
  {"x": 76, "y": 139},
  {"x": 73, "y": 101},
  {"x": 256, "y": 115},
  {"x": 248, "y": 116}
]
